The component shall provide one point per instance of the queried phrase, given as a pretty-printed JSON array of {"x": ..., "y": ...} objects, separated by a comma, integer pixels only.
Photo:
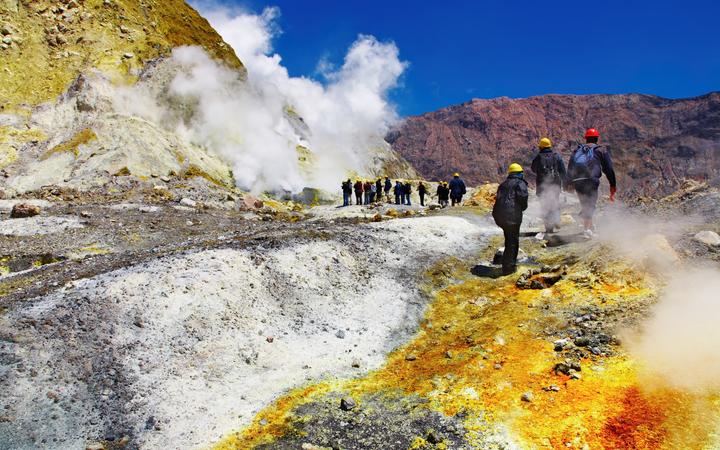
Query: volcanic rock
[
  {"x": 347, "y": 404},
  {"x": 708, "y": 238},
  {"x": 22, "y": 210}
]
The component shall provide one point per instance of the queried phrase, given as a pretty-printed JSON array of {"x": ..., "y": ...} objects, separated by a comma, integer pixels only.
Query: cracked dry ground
[{"x": 494, "y": 366}]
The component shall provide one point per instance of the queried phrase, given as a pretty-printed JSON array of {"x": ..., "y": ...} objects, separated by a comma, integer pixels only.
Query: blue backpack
[{"x": 584, "y": 162}]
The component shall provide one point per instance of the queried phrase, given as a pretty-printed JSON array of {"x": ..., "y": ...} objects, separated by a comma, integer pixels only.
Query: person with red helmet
[{"x": 587, "y": 164}]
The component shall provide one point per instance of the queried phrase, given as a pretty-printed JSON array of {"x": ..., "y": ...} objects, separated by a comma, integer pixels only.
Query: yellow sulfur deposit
[{"x": 482, "y": 351}]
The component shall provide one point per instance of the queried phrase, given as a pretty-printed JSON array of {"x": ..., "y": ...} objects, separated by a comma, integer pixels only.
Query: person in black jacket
[
  {"x": 443, "y": 193},
  {"x": 408, "y": 191},
  {"x": 511, "y": 201},
  {"x": 398, "y": 191},
  {"x": 457, "y": 189},
  {"x": 347, "y": 188},
  {"x": 549, "y": 168},
  {"x": 421, "y": 192},
  {"x": 587, "y": 164},
  {"x": 388, "y": 187}
]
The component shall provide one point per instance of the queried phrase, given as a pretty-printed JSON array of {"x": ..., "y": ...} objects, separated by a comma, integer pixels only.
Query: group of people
[
  {"x": 368, "y": 192},
  {"x": 587, "y": 164}
]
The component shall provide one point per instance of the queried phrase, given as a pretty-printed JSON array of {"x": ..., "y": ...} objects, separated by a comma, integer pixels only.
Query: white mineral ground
[{"x": 190, "y": 333}]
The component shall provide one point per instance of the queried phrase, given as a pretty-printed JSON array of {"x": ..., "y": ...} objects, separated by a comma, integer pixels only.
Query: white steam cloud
[
  {"x": 681, "y": 341},
  {"x": 256, "y": 125}
]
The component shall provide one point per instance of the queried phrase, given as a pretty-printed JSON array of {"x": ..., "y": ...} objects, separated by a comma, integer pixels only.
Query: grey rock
[
  {"x": 348, "y": 404},
  {"x": 709, "y": 238},
  {"x": 188, "y": 202},
  {"x": 340, "y": 334},
  {"x": 582, "y": 341}
]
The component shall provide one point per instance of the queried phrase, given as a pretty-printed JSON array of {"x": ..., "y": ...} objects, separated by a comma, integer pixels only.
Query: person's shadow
[{"x": 485, "y": 271}]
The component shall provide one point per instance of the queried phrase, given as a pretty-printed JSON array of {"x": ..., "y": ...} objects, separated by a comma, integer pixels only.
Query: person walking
[
  {"x": 366, "y": 190},
  {"x": 457, "y": 189},
  {"x": 408, "y": 192},
  {"x": 443, "y": 193},
  {"x": 587, "y": 164},
  {"x": 347, "y": 192},
  {"x": 388, "y": 187},
  {"x": 510, "y": 202},
  {"x": 549, "y": 170},
  {"x": 421, "y": 192},
  {"x": 358, "y": 192},
  {"x": 398, "y": 191}
]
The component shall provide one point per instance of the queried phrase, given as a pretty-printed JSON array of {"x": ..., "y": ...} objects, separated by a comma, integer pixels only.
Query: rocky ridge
[{"x": 656, "y": 142}]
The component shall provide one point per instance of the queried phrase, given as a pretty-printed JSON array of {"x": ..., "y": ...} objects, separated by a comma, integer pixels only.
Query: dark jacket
[
  {"x": 549, "y": 168},
  {"x": 347, "y": 187},
  {"x": 358, "y": 187},
  {"x": 600, "y": 162},
  {"x": 398, "y": 189},
  {"x": 443, "y": 193},
  {"x": 457, "y": 187},
  {"x": 422, "y": 189},
  {"x": 378, "y": 186},
  {"x": 388, "y": 185},
  {"x": 511, "y": 201},
  {"x": 407, "y": 188}
]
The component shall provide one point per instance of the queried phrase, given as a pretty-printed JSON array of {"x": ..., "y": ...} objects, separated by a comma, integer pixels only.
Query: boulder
[
  {"x": 707, "y": 237},
  {"x": 252, "y": 202},
  {"x": 22, "y": 210}
]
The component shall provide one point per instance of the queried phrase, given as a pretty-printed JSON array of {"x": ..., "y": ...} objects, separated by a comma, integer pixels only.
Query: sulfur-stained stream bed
[{"x": 496, "y": 366}]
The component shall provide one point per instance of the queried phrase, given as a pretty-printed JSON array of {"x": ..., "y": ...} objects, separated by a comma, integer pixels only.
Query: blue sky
[{"x": 458, "y": 50}]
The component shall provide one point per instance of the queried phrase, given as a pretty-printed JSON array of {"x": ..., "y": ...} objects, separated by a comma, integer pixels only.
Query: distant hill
[{"x": 655, "y": 142}]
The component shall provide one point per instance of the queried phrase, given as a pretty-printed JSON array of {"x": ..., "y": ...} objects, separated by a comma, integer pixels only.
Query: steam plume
[
  {"x": 680, "y": 341},
  {"x": 255, "y": 125}
]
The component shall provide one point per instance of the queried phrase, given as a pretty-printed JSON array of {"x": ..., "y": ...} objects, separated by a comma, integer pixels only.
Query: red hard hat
[{"x": 592, "y": 132}]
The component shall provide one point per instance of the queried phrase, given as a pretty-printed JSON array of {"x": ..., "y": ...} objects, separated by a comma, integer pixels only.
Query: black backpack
[{"x": 549, "y": 168}]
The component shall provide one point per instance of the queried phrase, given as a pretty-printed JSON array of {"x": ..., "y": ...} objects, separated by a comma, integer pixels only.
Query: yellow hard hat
[
  {"x": 456, "y": 174},
  {"x": 515, "y": 168},
  {"x": 545, "y": 143}
]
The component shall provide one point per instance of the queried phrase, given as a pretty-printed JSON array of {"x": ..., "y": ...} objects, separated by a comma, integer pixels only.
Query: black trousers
[
  {"x": 512, "y": 246},
  {"x": 422, "y": 199}
]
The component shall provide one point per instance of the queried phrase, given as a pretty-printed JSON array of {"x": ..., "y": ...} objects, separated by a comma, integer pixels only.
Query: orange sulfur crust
[{"x": 480, "y": 348}]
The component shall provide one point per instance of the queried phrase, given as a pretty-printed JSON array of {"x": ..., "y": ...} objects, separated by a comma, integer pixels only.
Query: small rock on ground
[
  {"x": 707, "y": 237},
  {"x": 347, "y": 404}
]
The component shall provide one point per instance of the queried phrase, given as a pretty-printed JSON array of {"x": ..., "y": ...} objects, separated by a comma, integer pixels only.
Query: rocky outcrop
[
  {"x": 656, "y": 142},
  {"x": 44, "y": 45}
]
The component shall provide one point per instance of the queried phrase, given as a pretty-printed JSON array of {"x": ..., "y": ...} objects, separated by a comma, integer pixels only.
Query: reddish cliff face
[{"x": 655, "y": 142}]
